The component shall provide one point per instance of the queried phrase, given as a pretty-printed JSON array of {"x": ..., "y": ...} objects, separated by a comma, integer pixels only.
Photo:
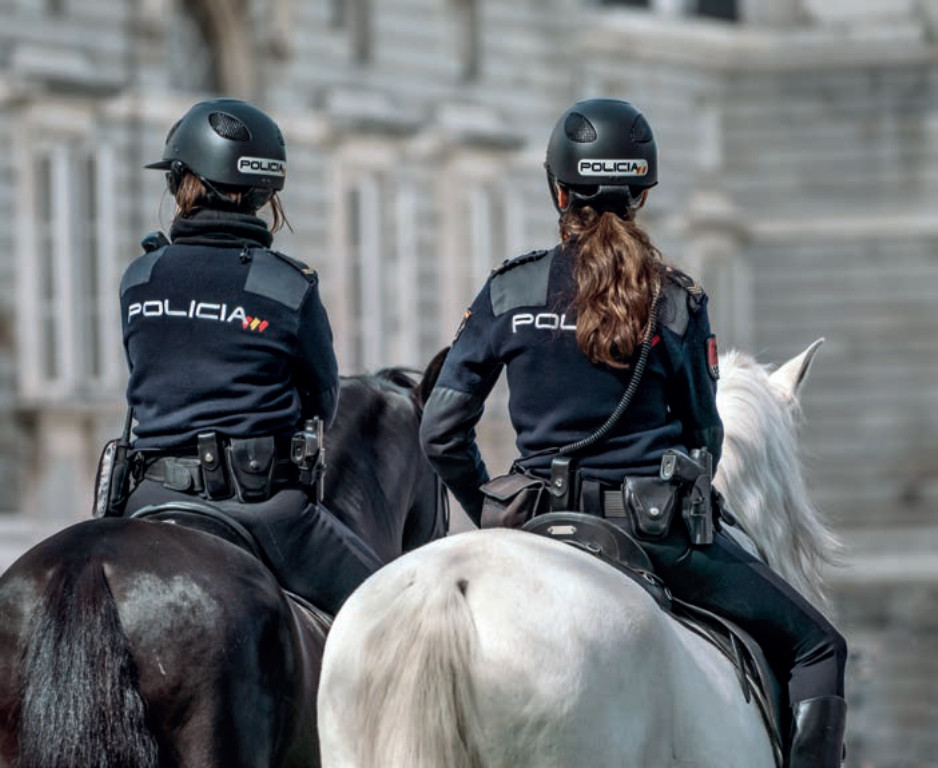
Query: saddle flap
[{"x": 755, "y": 673}]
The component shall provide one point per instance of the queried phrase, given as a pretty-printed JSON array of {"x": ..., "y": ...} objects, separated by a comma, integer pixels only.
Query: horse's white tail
[{"x": 415, "y": 705}]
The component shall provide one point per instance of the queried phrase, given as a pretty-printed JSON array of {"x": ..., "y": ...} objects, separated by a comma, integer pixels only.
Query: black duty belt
[{"x": 184, "y": 473}]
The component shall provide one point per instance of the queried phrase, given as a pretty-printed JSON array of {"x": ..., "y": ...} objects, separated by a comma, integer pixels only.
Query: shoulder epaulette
[
  {"x": 308, "y": 272},
  {"x": 508, "y": 264},
  {"x": 685, "y": 281},
  {"x": 509, "y": 290},
  {"x": 279, "y": 277},
  {"x": 683, "y": 296}
]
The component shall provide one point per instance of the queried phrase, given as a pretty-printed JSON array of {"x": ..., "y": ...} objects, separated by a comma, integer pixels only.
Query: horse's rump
[
  {"x": 501, "y": 648},
  {"x": 100, "y": 627}
]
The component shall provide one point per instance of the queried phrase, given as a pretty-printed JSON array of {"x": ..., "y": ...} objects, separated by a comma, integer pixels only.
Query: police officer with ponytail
[
  {"x": 577, "y": 326},
  {"x": 232, "y": 368}
]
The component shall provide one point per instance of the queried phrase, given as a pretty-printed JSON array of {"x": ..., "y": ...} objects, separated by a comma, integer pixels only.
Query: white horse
[{"x": 502, "y": 649}]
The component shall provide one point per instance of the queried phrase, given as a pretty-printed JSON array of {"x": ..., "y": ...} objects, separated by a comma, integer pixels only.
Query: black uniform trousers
[
  {"x": 310, "y": 551},
  {"x": 725, "y": 579}
]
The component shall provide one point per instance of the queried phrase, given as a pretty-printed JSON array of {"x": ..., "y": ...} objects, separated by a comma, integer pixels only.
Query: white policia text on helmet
[
  {"x": 612, "y": 167},
  {"x": 262, "y": 166}
]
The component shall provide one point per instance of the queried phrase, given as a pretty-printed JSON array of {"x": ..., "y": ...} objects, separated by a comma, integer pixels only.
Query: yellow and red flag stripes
[{"x": 254, "y": 324}]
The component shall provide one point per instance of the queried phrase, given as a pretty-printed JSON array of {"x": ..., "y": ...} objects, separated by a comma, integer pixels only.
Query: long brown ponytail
[{"x": 617, "y": 271}]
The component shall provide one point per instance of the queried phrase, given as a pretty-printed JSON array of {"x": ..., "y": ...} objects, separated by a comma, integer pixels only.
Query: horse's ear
[
  {"x": 430, "y": 375},
  {"x": 790, "y": 376}
]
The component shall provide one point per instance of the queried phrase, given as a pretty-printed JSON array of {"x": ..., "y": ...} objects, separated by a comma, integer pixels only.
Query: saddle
[
  {"x": 617, "y": 548},
  {"x": 199, "y": 516}
]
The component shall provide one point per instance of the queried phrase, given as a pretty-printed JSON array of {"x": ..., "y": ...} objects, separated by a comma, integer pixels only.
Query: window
[
  {"x": 627, "y": 3},
  {"x": 485, "y": 221},
  {"x": 194, "y": 61},
  {"x": 378, "y": 319},
  {"x": 356, "y": 17},
  {"x": 338, "y": 14},
  {"x": 725, "y": 10},
  {"x": 468, "y": 38},
  {"x": 369, "y": 277},
  {"x": 70, "y": 329}
]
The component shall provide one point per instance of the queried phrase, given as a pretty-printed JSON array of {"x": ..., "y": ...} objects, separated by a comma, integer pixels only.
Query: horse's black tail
[{"x": 80, "y": 703}]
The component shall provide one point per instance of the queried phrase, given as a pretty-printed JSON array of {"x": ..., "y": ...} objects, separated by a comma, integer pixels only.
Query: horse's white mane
[{"x": 760, "y": 473}]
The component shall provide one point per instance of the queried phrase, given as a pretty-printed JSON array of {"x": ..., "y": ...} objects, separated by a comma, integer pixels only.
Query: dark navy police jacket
[
  {"x": 223, "y": 334},
  {"x": 523, "y": 321}
]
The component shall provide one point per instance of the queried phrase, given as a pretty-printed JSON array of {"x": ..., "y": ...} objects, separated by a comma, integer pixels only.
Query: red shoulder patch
[
  {"x": 462, "y": 325},
  {"x": 713, "y": 358}
]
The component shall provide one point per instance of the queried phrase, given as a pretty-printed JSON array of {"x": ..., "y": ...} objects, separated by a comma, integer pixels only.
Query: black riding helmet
[
  {"x": 231, "y": 146},
  {"x": 603, "y": 153}
]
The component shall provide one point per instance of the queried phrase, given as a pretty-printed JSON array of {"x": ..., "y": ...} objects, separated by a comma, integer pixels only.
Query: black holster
[
  {"x": 308, "y": 453},
  {"x": 650, "y": 502},
  {"x": 694, "y": 473}
]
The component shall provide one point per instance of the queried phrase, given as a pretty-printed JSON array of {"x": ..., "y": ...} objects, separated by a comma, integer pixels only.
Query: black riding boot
[{"x": 818, "y": 733}]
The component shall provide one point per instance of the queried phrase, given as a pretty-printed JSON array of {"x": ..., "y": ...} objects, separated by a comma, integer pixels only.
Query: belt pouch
[
  {"x": 181, "y": 474},
  {"x": 252, "y": 461},
  {"x": 564, "y": 484},
  {"x": 650, "y": 503},
  {"x": 511, "y": 500},
  {"x": 213, "y": 469}
]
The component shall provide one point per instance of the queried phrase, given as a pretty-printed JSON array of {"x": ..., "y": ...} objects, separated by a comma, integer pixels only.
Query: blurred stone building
[{"x": 799, "y": 157}]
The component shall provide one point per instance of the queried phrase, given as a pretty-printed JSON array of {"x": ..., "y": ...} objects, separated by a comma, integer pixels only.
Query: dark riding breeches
[
  {"x": 727, "y": 580},
  {"x": 309, "y": 550}
]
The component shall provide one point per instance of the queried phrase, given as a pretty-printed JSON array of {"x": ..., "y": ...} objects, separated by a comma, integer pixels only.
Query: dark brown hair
[
  {"x": 191, "y": 195},
  {"x": 617, "y": 271}
]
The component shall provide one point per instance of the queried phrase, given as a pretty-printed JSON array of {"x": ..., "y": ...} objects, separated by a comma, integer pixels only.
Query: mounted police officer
[
  {"x": 587, "y": 329},
  {"x": 232, "y": 368}
]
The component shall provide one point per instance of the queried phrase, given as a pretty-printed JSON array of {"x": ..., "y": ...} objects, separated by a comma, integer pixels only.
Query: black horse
[{"x": 127, "y": 642}]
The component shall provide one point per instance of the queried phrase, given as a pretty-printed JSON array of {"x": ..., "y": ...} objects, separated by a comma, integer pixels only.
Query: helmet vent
[
  {"x": 579, "y": 129},
  {"x": 229, "y": 127},
  {"x": 641, "y": 131}
]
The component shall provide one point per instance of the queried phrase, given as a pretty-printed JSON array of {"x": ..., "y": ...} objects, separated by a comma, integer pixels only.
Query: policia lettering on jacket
[{"x": 197, "y": 310}]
